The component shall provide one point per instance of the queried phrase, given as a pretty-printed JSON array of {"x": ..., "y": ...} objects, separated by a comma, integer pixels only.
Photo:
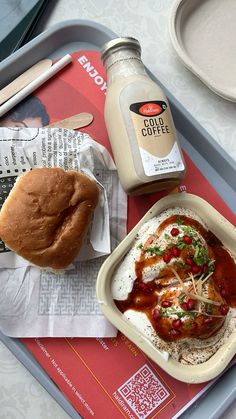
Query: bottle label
[{"x": 156, "y": 137}]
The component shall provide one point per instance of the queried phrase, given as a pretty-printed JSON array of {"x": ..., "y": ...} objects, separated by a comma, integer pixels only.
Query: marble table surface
[{"x": 21, "y": 396}]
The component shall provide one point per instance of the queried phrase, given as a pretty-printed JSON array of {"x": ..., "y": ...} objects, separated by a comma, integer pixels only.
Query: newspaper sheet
[{"x": 35, "y": 302}]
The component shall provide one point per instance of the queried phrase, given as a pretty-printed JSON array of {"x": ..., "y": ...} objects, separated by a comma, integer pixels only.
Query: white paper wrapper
[{"x": 36, "y": 302}]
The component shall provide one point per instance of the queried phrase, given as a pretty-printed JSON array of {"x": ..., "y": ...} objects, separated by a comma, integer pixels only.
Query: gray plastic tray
[{"x": 211, "y": 159}]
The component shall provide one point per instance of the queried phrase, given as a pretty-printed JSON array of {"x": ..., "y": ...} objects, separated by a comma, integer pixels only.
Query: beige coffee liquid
[{"x": 141, "y": 129}]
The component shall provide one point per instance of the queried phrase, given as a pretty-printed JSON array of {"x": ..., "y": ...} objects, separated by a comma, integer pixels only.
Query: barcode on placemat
[{"x": 6, "y": 184}]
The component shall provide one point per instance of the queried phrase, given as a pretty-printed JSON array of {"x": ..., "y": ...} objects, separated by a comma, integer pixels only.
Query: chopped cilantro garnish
[
  {"x": 210, "y": 265},
  {"x": 180, "y": 244},
  {"x": 167, "y": 312},
  {"x": 196, "y": 251},
  {"x": 181, "y": 265},
  {"x": 200, "y": 256},
  {"x": 189, "y": 326},
  {"x": 155, "y": 250},
  {"x": 179, "y": 220},
  {"x": 192, "y": 314},
  {"x": 209, "y": 308},
  {"x": 182, "y": 298},
  {"x": 189, "y": 231}
]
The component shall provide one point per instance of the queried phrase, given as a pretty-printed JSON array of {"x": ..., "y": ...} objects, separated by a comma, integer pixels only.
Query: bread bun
[{"x": 46, "y": 216}]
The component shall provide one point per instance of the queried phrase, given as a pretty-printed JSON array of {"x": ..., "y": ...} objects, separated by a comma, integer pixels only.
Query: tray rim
[
  {"x": 183, "y": 56},
  {"x": 189, "y": 374},
  {"x": 52, "y": 30},
  {"x": 190, "y": 125}
]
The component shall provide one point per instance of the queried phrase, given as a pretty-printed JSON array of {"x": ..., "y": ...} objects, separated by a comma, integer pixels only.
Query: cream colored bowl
[
  {"x": 226, "y": 232},
  {"x": 203, "y": 35}
]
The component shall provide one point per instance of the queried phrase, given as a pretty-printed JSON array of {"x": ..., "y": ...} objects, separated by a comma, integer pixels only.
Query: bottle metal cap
[{"x": 120, "y": 42}]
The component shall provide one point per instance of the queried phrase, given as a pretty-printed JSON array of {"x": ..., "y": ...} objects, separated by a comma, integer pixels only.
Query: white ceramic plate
[
  {"x": 226, "y": 232},
  {"x": 203, "y": 33}
]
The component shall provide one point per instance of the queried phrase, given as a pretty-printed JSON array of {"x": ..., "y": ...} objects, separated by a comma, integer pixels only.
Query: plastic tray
[{"x": 210, "y": 158}]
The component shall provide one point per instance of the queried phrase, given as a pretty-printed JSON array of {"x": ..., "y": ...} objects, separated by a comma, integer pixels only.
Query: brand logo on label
[{"x": 150, "y": 109}]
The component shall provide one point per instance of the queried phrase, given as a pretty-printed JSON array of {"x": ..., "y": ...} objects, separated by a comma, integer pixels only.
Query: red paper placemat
[{"x": 111, "y": 375}]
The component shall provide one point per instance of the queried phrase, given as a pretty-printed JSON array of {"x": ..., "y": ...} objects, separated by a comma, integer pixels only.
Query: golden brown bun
[{"x": 47, "y": 214}]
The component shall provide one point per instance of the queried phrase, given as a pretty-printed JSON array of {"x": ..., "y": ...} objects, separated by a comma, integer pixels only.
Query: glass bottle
[{"x": 139, "y": 122}]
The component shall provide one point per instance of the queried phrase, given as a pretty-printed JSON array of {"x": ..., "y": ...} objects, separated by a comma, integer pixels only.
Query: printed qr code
[{"x": 143, "y": 392}]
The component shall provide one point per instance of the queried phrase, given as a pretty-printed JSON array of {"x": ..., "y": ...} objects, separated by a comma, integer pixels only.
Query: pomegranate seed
[
  {"x": 222, "y": 292},
  {"x": 166, "y": 303},
  {"x": 204, "y": 268},
  {"x": 175, "y": 332},
  {"x": 174, "y": 232},
  {"x": 195, "y": 269},
  {"x": 207, "y": 320},
  {"x": 224, "y": 309},
  {"x": 142, "y": 286},
  {"x": 167, "y": 257},
  {"x": 189, "y": 260},
  {"x": 184, "y": 306},
  {"x": 175, "y": 251},
  {"x": 156, "y": 314},
  {"x": 187, "y": 239},
  {"x": 194, "y": 326},
  {"x": 176, "y": 323},
  {"x": 191, "y": 303}
]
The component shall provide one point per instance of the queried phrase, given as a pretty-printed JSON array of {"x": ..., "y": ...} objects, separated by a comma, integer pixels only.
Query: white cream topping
[{"x": 140, "y": 321}]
